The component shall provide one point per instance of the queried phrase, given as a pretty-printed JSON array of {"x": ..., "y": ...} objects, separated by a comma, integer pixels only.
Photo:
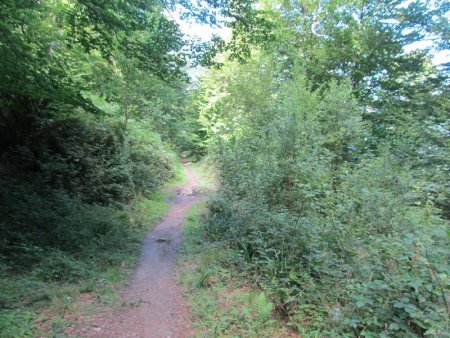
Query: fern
[{"x": 262, "y": 308}]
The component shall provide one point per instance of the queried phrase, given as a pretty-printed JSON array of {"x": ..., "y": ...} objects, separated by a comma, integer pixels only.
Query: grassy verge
[
  {"x": 33, "y": 306},
  {"x": 206, "y": 172},
  {"x": 222, "y": 304},
  {"x": 179, "y": 178}
]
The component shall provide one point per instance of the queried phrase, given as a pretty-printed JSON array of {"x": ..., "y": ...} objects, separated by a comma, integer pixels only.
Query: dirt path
[{"x": 154, "y": 304}]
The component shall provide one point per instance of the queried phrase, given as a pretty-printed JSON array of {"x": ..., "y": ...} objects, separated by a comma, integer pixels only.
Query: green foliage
[
  {"x": 91, "y": 96},
  {"x": 221, "y": 305},
  {"x": 43, "y": 42},
  {"x": 16, "y": 323},
  {"x": 335, "y": 233},
  {"x": 262, "y": 307},
  {"x": 54, "y": 276},
  {"x": 57, "y": 195},
  {"x": 331, "y": 145}
]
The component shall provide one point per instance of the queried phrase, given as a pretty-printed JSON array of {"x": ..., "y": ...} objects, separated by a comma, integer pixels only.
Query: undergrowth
[
  {"x": 45, "y": 299},
  {"x": 345, "y": 237},
  {"x": 223, "y": 305}
]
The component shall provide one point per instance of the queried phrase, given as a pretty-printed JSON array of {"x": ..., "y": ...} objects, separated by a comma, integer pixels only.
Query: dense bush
[
  {"x": 61, "y": 191},
  {"x": 336, "y": 231},
  {"x": 97, "y": 162}
]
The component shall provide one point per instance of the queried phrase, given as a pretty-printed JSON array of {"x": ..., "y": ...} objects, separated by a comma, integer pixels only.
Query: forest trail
[{"x": 154, "y": 306}]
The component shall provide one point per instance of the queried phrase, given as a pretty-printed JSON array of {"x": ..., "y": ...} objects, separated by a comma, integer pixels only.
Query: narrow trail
[{"x": 154, "y": 304}]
